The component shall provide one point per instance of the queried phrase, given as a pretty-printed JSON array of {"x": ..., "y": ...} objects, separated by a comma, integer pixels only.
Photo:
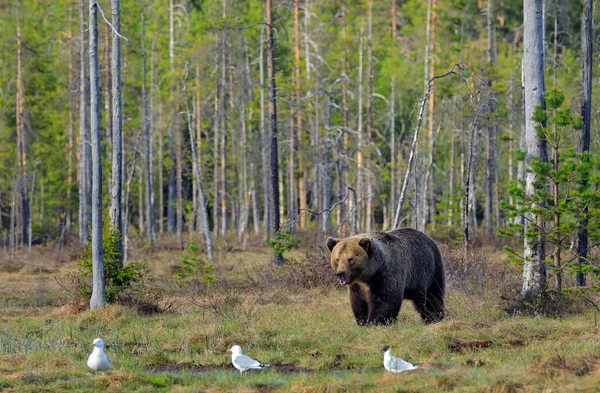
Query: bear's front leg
[
  {"x": 360, "y": 305},
  {"x": 383, "y": 312}
]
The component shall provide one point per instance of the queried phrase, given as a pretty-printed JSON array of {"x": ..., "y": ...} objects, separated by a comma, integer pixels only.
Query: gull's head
[
  {"x": 236, "y": 349},
  {"x": 387, "y": 349},
  {"x": 98, "y": 343}
]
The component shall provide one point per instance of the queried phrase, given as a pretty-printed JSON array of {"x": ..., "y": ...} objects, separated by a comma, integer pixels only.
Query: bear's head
[{"x": 350, "y": 258}]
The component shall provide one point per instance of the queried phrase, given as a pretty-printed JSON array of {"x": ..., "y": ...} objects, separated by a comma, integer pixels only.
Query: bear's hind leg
[
  {"x": 431, "y": 304},
  {"x": 360, "y": 307}
]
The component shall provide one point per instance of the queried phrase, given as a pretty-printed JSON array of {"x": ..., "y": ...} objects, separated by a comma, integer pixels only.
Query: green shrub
[
  {"x": 194, "y": 266},
  {"x": 282, "y": 242},
  {"x": 117, "y": 278}
]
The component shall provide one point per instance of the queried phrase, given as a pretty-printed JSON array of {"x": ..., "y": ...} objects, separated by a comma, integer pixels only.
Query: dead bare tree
[
  {"x": 197, "y": 175},
  {"x": 411, "y": 157}
]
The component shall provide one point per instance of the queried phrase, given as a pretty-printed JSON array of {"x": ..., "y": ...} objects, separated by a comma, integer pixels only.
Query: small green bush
[
  {"x": 282, "y": 242},
  {"x": 118, "y": 278},
  {"x": 194, "y": 266}
]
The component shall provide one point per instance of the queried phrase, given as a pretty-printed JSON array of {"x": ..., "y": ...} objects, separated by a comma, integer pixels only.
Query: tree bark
[
  {"x": 298, "y": 117},
  {"x": 534, "y": 269},
  {"x": 428, "y": 199},
  {"x": 148, "y": 170},
  {"x": 171, "y": 198},
  {"x": 21, "y": 152},
  {"x": 197, "y": 175},
  {"x": 264, "y": 138},
  {"x": 368, "y": 159},
  {"x": 273, "y": 161},
  {"x": 489, "y": 142},
  {"x": 98, "y": 298},
  {"x": 84, "y": 180},
  {"x": 360, "y": 148},
  {"x": 586, "y": 112},
  {"x": 71, "y": 122},
  {"x": 116, "y": 211}
]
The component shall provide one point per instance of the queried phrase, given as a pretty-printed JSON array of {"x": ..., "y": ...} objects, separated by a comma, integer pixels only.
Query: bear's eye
[
  {"x": 337, "y": 259},
  {"x": 350, "y": 260}
]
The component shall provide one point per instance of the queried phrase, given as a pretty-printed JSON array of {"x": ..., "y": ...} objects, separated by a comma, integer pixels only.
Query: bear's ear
[
  {"x": 331, "y": 242},
  {"x": 366, "y": 244}
]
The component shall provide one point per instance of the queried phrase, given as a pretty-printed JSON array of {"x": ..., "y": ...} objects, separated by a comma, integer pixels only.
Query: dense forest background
[{"x": 350, "y": 78}]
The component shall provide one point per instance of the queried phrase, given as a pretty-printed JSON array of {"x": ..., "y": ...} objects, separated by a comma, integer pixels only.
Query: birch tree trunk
[
  {"x": 98, "y": 298},
  {"x": 534, "y": 268},
  {"x": 116, "y": 211},
  {"x": 586, "y": 112},
  {"x": 84, "y": 179},
  {"x": 273, "y": 161}
]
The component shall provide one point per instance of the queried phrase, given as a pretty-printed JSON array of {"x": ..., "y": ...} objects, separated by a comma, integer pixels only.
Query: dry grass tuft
[
  {"x": 504, "y": 387},
  {"x": 559, "y": 365}
]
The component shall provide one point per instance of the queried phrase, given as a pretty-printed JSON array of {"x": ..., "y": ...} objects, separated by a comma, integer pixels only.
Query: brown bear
[{"x": 383, "y": 268}]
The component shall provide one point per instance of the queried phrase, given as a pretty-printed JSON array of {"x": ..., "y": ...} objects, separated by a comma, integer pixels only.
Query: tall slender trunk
[
  {"x": 586, "y": 112},
  {"x": 273, "y": 160},
  {"x": 326, "y": 168},
  {"x": 489, "y": 141},
  {"x": 171, "y": 203},
  {"x": 13, "y": 202},
  {"x": 30, "y": 218},
  {"x": 84, "y": 178},
  {"x": 360, "y": 148},
  {"x": 21, "y": 151},
  {"x": 345, "y": 165},
  {"x": 148, "y": 170},
  {"x": 223, "y": 143},
  {"x": 71, "y": 122},
  {"x": 298, "y": 115},
  {"x": 197, "y": 175},
  {"x": 98, "y": 298},
  {"x": 534, "y": 269},
  {"x": 428, "y": 198},
  {"x": 393, "y": 145},
  {"x": 116, "y": 215},
  {"x": 216, "y": 172},
  {"x": 108, "y": 100},
  {"x": 264, "y": 139},
  {"x": 368, "y": 159}
]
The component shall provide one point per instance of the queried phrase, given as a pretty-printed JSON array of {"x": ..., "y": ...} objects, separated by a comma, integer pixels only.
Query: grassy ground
[{"x": 298, "y": 322}]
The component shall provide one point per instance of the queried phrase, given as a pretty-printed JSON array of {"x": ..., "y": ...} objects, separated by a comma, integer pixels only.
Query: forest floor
[{"x": 297, "y": 319}]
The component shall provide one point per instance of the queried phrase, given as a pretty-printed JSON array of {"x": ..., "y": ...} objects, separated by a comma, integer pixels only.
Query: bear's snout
[{"x": 342, "y": 277}]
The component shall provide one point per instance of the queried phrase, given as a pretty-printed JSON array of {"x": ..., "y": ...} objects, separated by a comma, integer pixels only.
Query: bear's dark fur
[{"x": 383, "y": 268}]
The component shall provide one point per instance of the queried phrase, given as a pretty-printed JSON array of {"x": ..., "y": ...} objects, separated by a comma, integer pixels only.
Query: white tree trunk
[
  {"x": 534, "y": 268},
  {"x": 116, "y": 211},
  {"x": 84, "y": 180},
  {"x": 98, "y": 298}
]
